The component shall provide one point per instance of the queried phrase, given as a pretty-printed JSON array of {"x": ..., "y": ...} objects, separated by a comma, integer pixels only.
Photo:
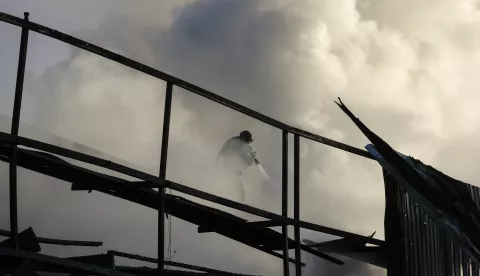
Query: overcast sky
[{"x": 407, "y": 68}]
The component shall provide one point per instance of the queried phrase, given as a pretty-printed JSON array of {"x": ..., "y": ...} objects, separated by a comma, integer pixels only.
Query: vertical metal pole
[
  {"x": 286, "y": 266},
  {"x": 17, "y": 105},
  {"x": 163, "y": 173},
  {"x": 296, "y": 202}
]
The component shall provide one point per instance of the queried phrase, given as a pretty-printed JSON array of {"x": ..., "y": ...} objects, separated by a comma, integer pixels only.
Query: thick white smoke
[{"x": 408, "y": 70}]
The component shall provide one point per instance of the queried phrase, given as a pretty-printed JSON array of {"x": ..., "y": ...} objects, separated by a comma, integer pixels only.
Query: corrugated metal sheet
[{"x": 425, "y": 249}]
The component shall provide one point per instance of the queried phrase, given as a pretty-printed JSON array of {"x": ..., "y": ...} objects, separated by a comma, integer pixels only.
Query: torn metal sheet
[
  {"x": 437, "y": 214},
  {"x": 27, "y": 241},
  {"x": 445, "y": 200}
]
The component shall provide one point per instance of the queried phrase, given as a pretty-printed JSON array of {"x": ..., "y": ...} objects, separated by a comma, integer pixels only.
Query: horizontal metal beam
[
  {"x": 175, "y": 264},
  {"x": 258, "y": 224},
  {"x": 143, "y": 184},
  {"x": 6, "y": 233},
  {"x": 176, "y": 81},
  {"x": 265, "y": 223},
  {"x": 6, "y": 138},
  {"x": 96, "y": 270},
  {"x": 125, "y": 185}
]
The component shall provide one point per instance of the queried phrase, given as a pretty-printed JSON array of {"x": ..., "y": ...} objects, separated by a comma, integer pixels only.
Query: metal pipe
[
  {"x": 166, "y": 130},
  {"x": 286, "y": 267},
  {"x": 296, "y": 200},
  {"x": 17, "y": 105},
  {"x": 162, "y": 175}
]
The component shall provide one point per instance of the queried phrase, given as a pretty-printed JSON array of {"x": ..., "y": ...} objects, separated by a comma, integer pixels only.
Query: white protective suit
[{"x": 237, "y": 155}]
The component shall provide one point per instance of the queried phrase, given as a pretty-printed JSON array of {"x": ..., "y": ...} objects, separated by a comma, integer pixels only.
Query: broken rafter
[
  {"x": 57, "y": 168},
  {"x": 6, "y": 233},
  {"x": 6, "y": 138}
]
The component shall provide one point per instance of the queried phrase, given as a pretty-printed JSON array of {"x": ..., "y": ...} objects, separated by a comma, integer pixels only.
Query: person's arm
[
  {"x": 224, "y": 148},
  {"x": 253, "y": 154}
]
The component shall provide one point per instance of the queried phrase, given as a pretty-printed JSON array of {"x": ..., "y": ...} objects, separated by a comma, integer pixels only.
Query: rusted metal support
[
  {"x": 296, "y": 200},
  {"x": 6, "y": 138},
  {"x": 17, "y": 106},
  {"x": 163, "y": 172},
  {"x": 286, "y": 267}
]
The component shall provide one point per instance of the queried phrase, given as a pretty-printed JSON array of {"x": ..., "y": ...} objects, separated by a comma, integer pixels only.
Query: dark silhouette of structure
[{"x": 431, "y": 220}]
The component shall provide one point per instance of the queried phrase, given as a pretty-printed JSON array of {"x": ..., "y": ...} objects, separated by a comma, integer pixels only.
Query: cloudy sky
[{"x": 407, "y": 68}]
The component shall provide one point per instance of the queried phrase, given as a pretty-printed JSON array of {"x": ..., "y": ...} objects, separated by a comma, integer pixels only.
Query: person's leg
[{"x": 241, "y": 188}]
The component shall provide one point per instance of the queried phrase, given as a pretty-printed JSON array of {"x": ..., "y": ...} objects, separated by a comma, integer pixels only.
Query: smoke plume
[{"x": 407, "y": 69}]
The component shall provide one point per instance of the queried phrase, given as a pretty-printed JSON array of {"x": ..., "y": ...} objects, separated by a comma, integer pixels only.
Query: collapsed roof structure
[{"x": 432, "y": 221}]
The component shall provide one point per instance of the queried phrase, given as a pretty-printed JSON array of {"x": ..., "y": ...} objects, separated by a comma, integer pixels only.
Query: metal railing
[{"x": 161, "y": 182}]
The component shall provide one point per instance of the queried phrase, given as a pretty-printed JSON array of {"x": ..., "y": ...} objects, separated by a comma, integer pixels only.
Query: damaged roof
[{"x": 449, "y": 202}]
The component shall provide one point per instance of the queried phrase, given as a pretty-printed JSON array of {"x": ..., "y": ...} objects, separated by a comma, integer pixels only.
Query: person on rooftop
[{"x": 238, "y": 155}]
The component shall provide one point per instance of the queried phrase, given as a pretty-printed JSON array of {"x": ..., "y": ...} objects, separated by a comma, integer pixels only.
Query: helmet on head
[{"x": 246, "y": 136}]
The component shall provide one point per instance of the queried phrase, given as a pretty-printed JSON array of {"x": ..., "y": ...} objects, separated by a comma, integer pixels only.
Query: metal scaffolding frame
[{"x": 161, "y": 181}]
